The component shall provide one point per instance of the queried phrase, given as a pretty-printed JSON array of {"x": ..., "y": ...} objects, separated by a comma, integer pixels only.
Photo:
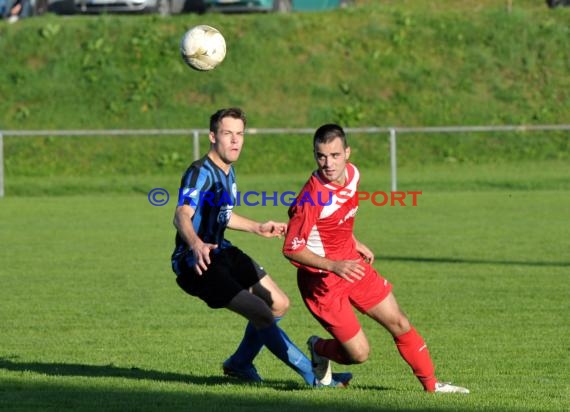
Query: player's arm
[
  {"x": 364, "y": 251},
  {"x": 295, "y": 247},
  {"x": 266, "y": 229},
  {"x": 183, "y": 223},
  {"x": 349, "y": 270}
]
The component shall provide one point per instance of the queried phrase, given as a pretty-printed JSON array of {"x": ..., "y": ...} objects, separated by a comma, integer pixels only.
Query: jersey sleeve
[
  {"x": 194, "y": 182},
  {"x": 302, "y": 219}
]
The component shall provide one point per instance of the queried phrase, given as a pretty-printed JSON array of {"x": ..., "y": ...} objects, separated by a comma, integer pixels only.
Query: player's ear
[
  {"x": 347, "y": 152},
  {"x": 212, "y": 137}
]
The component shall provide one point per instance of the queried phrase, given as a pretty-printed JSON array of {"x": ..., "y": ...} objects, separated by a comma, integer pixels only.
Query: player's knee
[
  {"x": 403, "y": 324},
  {"x": 359, "y": 355},
  {"x": 399, "y": 326}
]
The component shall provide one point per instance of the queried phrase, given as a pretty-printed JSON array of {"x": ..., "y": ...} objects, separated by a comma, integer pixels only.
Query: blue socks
[
  {"x": 279, "y": 344},
  {"x": 249, "y": 346}
]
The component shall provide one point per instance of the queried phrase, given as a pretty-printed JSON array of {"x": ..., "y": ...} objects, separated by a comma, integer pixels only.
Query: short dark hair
[
  {"x": 327, "y": 133},
  {"x": 217, "y": 117}
]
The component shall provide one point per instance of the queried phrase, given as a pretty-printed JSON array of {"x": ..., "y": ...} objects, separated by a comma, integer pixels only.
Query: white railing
[{"x": 392, "y": 132}]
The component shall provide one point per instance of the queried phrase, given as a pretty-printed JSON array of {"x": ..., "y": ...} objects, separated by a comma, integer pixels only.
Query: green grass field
[{"x": 91, "y": 318}]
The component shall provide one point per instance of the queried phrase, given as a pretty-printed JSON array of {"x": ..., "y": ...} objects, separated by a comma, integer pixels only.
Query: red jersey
[{"x": 322, "y": 218}]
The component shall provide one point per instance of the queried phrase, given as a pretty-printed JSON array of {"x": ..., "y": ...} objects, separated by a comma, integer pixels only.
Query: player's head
[
  {"x": 327, "y": 133},
  {"x": 227, "y": 128},
  {"x": 233, "y": 112},
  {"x": 331, "y": 152}
]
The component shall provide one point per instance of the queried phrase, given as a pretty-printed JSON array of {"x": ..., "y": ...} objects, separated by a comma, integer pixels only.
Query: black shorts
[{"x": 229, "y": 272}]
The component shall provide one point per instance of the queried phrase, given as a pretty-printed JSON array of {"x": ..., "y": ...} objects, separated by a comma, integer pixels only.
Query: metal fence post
[
  {"x": 393, "y": 161},
  {"x": 1, "y": 165},
  {"x": 196, "y": 145}
]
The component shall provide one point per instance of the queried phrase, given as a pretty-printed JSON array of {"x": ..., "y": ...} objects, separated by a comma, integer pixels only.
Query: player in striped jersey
[
  {"x": 209, "y": 267},
  {"x": 335, "y": 270}
]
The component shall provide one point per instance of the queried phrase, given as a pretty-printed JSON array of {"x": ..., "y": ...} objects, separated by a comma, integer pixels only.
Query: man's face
[
  {"x": 331, "y": 158},
  {"x": 228, "y": 140}
]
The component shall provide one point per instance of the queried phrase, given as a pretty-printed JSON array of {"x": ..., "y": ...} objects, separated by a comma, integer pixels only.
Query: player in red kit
[{"x": 334, "y": 269}]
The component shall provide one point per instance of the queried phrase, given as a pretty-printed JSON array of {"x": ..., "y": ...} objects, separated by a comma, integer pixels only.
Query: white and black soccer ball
[{"x": 203, "y": 47}]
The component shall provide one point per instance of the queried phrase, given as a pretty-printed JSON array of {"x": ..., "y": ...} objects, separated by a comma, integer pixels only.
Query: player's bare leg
[
  {"x": 260, "y": 315},
  {"x": 357, "y": 348},
  {"x": 275, "y": 298},
  {"x": 389, "y": 315},
  {"x": 410, "y": 344},
  {"x": 240, "y": 364}
]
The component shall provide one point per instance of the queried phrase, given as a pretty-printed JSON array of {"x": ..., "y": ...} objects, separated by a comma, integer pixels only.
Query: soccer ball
[{"x": 203, "y": 47}]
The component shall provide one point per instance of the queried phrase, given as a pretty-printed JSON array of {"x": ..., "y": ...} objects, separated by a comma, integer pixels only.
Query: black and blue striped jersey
[{"x": 212, "y": 194}]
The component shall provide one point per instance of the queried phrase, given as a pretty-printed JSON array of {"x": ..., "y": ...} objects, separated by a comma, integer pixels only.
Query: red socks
[
  {"x": 410, "y": 345},
  {"x": 414, "y": 351}
]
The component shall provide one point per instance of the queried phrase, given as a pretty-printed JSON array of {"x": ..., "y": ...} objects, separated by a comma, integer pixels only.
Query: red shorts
[{"x": 330, "y": 299}]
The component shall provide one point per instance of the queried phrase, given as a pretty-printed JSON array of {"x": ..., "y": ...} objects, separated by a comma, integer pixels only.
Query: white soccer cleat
[
  {"x": 321, "y": 365},
  {"x": 442, "y": 387}
]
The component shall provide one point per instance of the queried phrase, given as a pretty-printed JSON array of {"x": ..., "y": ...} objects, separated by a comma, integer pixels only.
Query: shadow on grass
[
  {"x": 42, "y": 396},
  {"x": 470, "y": 261},
  {"x": 24, "y": 393},
  {"x": 112, "y": 371}
]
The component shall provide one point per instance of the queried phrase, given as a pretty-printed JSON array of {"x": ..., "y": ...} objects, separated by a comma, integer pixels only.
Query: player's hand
[
  {"x": 202, "y": 254},
  {"x": 272, "y": 229},
  {"x": 349, "y": 270},
  {"x": 366, "y": 253}
]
